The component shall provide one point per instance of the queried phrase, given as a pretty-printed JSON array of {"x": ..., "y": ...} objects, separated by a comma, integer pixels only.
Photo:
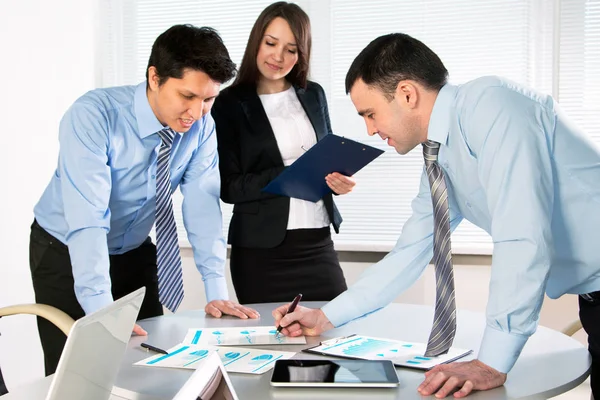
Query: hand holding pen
[
  {"x": 301, "y": 321},
  {"x": 291, "y": 309}
]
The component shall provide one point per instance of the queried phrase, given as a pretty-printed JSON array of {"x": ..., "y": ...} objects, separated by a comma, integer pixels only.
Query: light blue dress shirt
[
  {"x": 519, "y": 169},
  {"x": 101, "y": 199}
]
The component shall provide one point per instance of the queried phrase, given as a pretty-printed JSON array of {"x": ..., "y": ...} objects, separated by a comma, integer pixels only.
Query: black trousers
[
  {"x": 589, "y": 314},
  {"x": 3, "y": 389},
  {"x": 305, "y": 262},
  {"x": 53, "y": 284}
]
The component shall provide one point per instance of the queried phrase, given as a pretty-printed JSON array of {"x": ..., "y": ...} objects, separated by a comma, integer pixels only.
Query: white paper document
[
  {"x": 235, "y": 359},
  {"x": 403, "y": 354},
  {"x": 239, "y": 336}
]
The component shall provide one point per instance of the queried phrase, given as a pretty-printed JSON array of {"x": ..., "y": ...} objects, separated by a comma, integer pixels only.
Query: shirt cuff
[
  {"x": 94, "y": 303},
  {"x": 216, "y": 289},
  {"x": 500, "y": 350},
  {"x": 340, "y": 310}
]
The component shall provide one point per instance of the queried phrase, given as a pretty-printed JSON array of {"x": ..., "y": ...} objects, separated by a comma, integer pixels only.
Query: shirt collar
[
  {"x": 147, "y": 122},
  {"x": 439, "y": 122}
]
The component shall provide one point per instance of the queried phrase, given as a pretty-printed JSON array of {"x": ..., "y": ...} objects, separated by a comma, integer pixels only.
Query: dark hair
[
  {"x": 188, "y": 47},
  {"x": 392, "y": 58},
  {"x": 300, "y": 26}
]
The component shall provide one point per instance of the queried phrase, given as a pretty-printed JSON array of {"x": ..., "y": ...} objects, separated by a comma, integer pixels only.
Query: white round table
[{"x": 550, "y": 364}]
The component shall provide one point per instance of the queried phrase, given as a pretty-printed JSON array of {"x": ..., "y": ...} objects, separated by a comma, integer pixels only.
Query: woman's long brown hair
[{"x": 300, "y": 26}]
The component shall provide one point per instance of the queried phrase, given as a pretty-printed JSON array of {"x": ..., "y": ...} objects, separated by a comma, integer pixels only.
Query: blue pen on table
[
  {"x": 290, "y": 310},
  {"x": 156, "y": 349}
]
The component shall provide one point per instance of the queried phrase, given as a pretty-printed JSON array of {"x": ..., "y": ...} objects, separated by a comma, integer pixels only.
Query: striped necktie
[
  {"x": 170, "y": 277},
  {"x": 444, "y": 320}
]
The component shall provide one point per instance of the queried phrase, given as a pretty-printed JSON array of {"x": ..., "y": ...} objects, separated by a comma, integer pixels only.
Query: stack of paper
[
  {"x": 200, "y": 343},
  {"x": 235, "y": 359}
]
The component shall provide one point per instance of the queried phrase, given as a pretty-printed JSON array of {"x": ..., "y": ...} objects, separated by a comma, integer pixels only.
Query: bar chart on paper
[
  {"x": 235, "y": 359},
  {"x": 255, "y": 335},
  {"x": 402, "y": 354}
]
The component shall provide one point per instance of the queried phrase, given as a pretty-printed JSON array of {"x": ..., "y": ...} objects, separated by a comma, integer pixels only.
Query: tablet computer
[{"x": 334, "y": 373}]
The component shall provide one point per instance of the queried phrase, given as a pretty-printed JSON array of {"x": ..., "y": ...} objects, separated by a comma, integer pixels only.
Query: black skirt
[{"x": 305, "y": 262}]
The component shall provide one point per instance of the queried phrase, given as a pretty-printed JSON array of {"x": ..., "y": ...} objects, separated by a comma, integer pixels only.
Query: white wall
[{"x": 47, "y": 61}]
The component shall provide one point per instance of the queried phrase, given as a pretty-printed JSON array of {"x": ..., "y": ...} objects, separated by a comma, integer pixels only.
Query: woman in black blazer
[{"x": 265, "y": 120}]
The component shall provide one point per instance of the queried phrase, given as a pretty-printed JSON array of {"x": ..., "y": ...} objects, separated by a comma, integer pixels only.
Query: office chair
[
  {"x": 572, "y": 328},
  {"x": 52, "y": 314}
]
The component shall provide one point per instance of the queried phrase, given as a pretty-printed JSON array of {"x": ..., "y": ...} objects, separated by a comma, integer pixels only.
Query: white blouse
[{"x": 294, "y": 134}]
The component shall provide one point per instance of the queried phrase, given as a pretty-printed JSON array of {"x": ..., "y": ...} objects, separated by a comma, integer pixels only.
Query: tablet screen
[{"x": 334, "y": 373}]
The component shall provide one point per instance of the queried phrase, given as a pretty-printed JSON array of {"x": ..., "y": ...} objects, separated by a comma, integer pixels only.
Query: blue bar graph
[
  {"x": 171, "y": 354},
  {"x": 267, "y": 363},
  {"x": 196, "y": 337},
  {"x": 366, "y": 347}
]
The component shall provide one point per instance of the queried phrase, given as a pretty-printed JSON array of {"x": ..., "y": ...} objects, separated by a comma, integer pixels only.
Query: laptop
[
  {"x": 209, "y": 382},
  {"x": 94, "y": 349}
]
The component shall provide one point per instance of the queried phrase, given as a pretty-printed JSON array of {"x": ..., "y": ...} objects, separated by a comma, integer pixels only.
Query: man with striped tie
[
  {"x": 508, "y": 160},
  {"x": 123, "y": 151}
]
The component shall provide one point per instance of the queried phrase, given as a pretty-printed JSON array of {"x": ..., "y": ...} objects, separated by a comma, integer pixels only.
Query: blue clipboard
[{"x": 305, "y": 178}]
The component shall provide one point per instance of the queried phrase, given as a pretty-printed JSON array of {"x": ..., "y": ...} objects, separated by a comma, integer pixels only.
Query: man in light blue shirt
[
  {"x": 515, "y": 166},
  {"x": 89, "y": 241}
]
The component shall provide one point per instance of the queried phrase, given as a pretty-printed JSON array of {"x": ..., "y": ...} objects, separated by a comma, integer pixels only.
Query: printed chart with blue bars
[
  {"x": 235, "y": 359},
  {"x": 256, "y": 335},
  {"x": 403, "y": 354}
]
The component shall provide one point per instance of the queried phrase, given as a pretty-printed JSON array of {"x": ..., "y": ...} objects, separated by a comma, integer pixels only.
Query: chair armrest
[
  {"x": 572, "y": 328},
  {"x": 59, "y": 318}
]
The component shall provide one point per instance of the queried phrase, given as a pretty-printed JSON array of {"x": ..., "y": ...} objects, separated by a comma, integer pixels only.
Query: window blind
[
  {"x": 579, "y": 66},
  {"x": 522, "y": 40},
  {"x": 129, "y": 28},
  {"x": 497, "y": 37}
]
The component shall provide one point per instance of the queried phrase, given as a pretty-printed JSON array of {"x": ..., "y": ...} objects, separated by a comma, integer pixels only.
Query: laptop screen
[{"x": 94, "y": 349}]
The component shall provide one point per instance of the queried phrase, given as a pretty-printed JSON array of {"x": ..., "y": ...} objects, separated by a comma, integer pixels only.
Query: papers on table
[
  {"x": 200, "y": 343},
  {"x": 235, "y": 359},
  {"x": 403, "y": 354},
  {"x": 239, "y": 336}
]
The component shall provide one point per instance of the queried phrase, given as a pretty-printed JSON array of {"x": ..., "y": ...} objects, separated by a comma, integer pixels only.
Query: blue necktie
[
  {"x": 170, "y": 276},
  {"x": 444, "y": 320}
]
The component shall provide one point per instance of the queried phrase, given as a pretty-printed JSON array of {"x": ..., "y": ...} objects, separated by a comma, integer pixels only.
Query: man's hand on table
[
  {"x": 444, "y": 379},
  {"x": 139, "y": 331},
  {"x": 462, "y": 376},
  {"x": 218, "y": 308},
  {"x": 303, "y": 321}
]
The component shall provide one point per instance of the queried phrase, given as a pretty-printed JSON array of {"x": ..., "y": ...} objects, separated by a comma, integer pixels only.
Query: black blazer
[{"x": 249, "y": 159}]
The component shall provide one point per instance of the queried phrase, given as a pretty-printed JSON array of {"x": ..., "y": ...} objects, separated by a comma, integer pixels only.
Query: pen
[
  {"x": 156, "y": 349},
  {"x": 291, "y": 309}
]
